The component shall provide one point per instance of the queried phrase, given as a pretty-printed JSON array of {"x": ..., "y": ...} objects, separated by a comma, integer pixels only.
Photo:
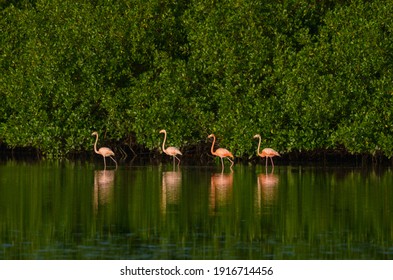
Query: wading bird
[
  {"x": 267, "y": 152},
  {"x": 104, "y": 151},
  {"x": 170, "y": 151},
  {"x": 221, "y": 152}
]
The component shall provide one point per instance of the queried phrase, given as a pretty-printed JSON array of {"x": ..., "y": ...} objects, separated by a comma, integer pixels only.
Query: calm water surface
[{"x": 72, "y": 210}]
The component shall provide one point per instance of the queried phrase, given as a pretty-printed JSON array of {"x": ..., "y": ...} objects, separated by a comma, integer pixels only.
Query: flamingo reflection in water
[
  {"x": 267, "y": 189},
  {"x": 103, "y": 187},
  {"x": 221, "y": 187},
  {"x": 171, "y": 188}
]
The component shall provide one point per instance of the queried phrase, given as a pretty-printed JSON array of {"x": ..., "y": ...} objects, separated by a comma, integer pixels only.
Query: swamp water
[{"x": 74, "y": 210}]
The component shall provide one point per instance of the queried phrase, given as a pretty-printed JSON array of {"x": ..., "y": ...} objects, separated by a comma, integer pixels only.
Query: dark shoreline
[{"x": 199, "y": 155}]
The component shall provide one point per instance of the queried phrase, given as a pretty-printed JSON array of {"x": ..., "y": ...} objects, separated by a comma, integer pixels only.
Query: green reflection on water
[{"x": 71, "y": 210}]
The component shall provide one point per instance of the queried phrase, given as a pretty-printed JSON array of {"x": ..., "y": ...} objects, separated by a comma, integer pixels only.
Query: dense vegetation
[{"x": 306, "y": 75}]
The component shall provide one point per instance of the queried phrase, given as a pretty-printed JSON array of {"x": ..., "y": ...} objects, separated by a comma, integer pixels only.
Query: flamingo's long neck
[
  {"x": 163, "y": 142},
  {"x": 214, "y": 140},
  {"x": 259, "y": 144},
  {"x": 95, "y": 144}
]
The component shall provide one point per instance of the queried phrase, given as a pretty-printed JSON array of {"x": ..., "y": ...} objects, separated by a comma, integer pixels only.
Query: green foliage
[{"x": 306, "y": 75}]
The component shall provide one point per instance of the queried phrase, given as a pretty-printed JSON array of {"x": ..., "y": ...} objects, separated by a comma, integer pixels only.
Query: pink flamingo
[
  {"x": 267, "y": 152},
  {"x": 221, "y": 152},
  {"x": 104, "y": 151},
  {"x": 170, "y": 151}
]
